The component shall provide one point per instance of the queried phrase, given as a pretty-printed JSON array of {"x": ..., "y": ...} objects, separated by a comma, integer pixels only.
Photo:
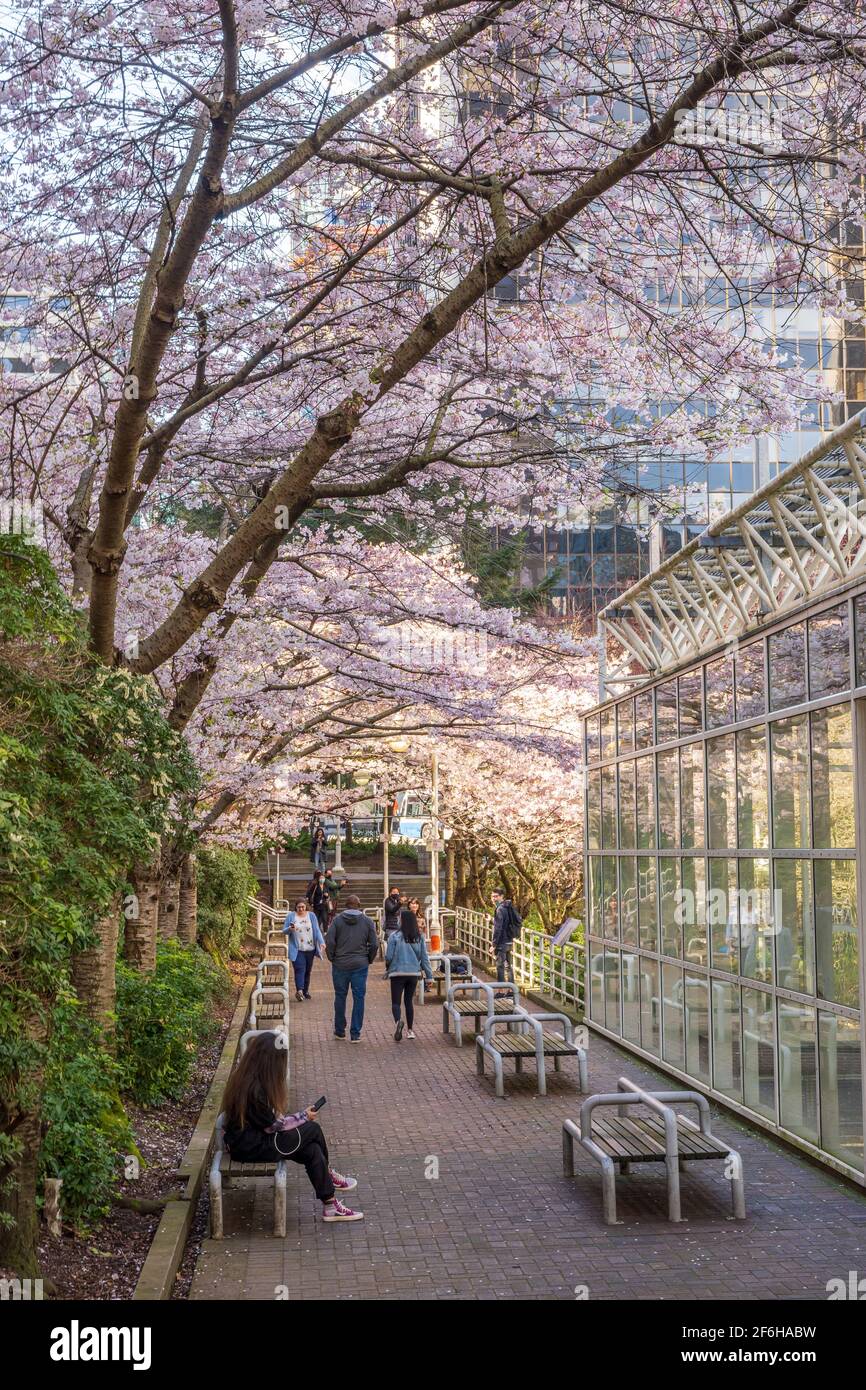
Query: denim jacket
[
  {"x": 407, "y": 957},
  {"x": 288, "y": 928}
]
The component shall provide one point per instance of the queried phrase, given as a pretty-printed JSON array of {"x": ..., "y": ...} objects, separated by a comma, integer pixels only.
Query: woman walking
[
  {"x": 305, "y": 943},
  {"x": 318, "y": 846},
  {"x": 406, "y": 962},
  {"x": 317, "y": 896},
  {"x": 258, "y": 1130}
]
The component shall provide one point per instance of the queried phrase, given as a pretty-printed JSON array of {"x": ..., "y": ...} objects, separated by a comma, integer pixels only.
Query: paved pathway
[{"x": 500, "y": 1221}]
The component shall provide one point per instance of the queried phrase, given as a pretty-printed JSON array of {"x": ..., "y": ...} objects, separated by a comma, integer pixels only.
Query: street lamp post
[
  {"x": 435, "y": 938},
  {"x": 385, "y": 843},
  {"x": 338, "y": 848}
]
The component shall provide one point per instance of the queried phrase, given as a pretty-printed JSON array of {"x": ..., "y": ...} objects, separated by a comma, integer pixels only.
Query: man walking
[
  {"x": 351, "y": 946},
  {"x": 391, "y": 909},
  {"x": 333, "y": 886},
  {"x": 506, "y": 928}
]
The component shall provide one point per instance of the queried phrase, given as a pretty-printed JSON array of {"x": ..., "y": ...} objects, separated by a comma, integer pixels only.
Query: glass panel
[
  {"x": 611, "y": 991},
  {"x": 795, "y": 925},
  {"x": 829, "y": 656},
  {"x": 693, "y": 910},
  {"x": 608, "y": 807},
  {"x": 832, "y": 778},
  {"x": 630, "y": 991},
  {"x": 722, "y": 914},
  {"x": 668, "y": 799},
  {"x": 798, "y": 1099},
  {"x": 789, "y": 756},
  {"x": 595, "y": 903},
  {"x": 646, "y": 819},
  {"x": 593, "y": 744},
  {"x": 673, "y": 1049},
  {"x": 596, "y": 982},
  {"x": 697, "y": 1022},
  {"x": 836, "y": 947},
  {"x": 608, "y": 733},
  {"x": 670, "y": 905},
  {"x": 749, "y": 683},
  {"x": 626, "y": 806},
  {"x": 649, "y": 1006},
  {"x": 860, "y": 638},
  {"x": 755, "y": 911},
  {"x": 647, "y": 904},
  {"x": 759, "y": 1052},
  {"x": 788, "y": 666},
  {"x": 721, "y": 793},
  {"x": 610, "y": 912},
  {"x": 692, "y": 783},
  {"x": 841, "y": 1088},
  {"x": 628, "y": 900},
  {"x": 720, "y": 692},
  {"x": 643, "y": 720},
  {"x": 593, "y": 810},
  {"x": 727, "y": 1040},
  {"x": 753, "y": 830},
  {"x": 691, "y": 704},
  {"x": 625, "y": 725},
  {"x": 666, "y": 711}
]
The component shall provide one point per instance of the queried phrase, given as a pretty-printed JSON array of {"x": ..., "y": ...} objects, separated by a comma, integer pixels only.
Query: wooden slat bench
[
  {"x": 269, "y": 1006},
  {"x": 533, "y": 1040},
  {"x": 272, "y": 972},
  {"x": 446, "y": 976},
  {"x": 477, "y": 999},
  {"x": 223, "y": 1168},
  {"x": 663, "y": 1136}
]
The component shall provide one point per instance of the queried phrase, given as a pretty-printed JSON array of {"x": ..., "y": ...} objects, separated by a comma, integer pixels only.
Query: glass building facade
[{"x": 724, "y": 812}]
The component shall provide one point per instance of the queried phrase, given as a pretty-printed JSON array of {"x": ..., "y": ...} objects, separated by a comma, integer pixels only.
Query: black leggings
[
  {"x": 306, "y": 1145},
  {"x": 403, "y": 992}
]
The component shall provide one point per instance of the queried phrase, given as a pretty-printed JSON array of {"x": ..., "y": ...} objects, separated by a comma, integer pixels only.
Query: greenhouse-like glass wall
[{"x": 721, "y": 875}]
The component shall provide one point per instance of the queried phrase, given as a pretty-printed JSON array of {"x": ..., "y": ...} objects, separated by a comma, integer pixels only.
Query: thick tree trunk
[
  {"x": 93, "y": 970},
  {"x": 450, "y": 872},
  {"x": 169, "y": 900},
  {"x": 139, "y": 940},
  {"x": 187, "y": 912},
  {"x": 19, "y": 1226}
]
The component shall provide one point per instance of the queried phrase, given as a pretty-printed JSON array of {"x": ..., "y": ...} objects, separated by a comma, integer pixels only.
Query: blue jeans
[
  {"x": 302, "y": 966},
  {"x": 358, "y": 981}
]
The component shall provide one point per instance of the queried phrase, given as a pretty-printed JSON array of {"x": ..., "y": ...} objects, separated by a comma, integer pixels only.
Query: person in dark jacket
[
  {"x": 258, "y": 1130},
  {"x": 318, "y": 848},
  {"x": 317, "y": 897},
  {"x": 503, "y": 935},
  {"x": 351, "y": 946},
  {"x": 391, "y": 909}
]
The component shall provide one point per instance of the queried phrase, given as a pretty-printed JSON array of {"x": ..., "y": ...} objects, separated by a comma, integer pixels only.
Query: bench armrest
[
  {"x": 664, "y": 1099},
  {"x": 568, "y": 1026},
  {"x": 471, "y": 984},
  {"x": 495, "y": 1020}
]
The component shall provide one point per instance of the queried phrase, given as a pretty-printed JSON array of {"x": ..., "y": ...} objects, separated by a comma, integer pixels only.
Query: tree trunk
[
  {"x": 169, "y": 899},
  {"x": 450, "y": 875},
  {"x": 20, "y": 1233},
  {"x": 139, "y": 940},
  {"x": 187, "y": 912},
  {"x": 93, "y": 969}
]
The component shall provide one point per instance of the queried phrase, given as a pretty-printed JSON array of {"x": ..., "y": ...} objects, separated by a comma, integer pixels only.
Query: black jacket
[
  {"x": 392, "y": 908},
  {"x": 251, "y": 1144}
]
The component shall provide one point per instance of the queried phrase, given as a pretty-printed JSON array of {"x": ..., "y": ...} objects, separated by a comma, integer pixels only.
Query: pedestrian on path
[
  {"x": 305, "y": 943},
  {"x": 318, "y": 849},
  {"x": 316, "y": 896},
  {"x": 406, "y": 961},
  {"x": 391, "y": 909},
  {"x": 258, "y": 1130},
  {"x": 351, "y": 945},
  {"x": 506, "y": 928},
  {"x": 333, "y": 886}
]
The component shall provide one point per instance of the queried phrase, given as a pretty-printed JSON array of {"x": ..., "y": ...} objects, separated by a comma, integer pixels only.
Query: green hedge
[{"x": 225, "y": 881}]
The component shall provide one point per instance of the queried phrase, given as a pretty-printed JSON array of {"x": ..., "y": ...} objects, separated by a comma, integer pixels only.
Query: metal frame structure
[{"x": 801, "y": 534}]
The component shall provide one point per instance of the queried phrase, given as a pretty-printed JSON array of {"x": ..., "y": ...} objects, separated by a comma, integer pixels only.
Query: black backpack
[{"x": 514, "y": 921}]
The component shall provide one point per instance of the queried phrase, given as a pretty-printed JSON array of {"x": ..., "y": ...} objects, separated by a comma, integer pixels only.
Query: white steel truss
[{"x": 795, "y": 537}]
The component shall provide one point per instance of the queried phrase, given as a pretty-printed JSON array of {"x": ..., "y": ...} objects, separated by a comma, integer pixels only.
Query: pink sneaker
[
  {"x": 336, "y": 1211},
  {"x": 341, "y": 1182}
]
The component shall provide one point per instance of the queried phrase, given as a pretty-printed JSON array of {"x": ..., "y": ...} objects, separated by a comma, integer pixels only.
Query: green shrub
[
  {"x": 225, "y": 881},
  {"x": 162, "y": 1018},
  {"x": 86, "y": 1131}
]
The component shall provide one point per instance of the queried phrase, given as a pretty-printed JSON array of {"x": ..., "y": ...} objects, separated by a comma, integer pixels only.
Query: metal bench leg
[
  {"x": 567, "y": 1153},
  {"x": 444, "y": 1020},
  {"x": 280, "y": 1200},
  {"x": 608, "y": 1191},
  {"x": 673, "y": 1171},
  {"x": 458, "y": 1029},
  {"x": 500, "y": 1079},
  {"x": 539, "y": 1066},
  {"x": 518, "y": 1065},
  {"x": 479, "y": 1059},
  {"x": 216, "y": 1206},
  {"x": 738, "y": 1187},
  {"x": 556, "y": 1062},
  {"x": 582, "y": 1071}
]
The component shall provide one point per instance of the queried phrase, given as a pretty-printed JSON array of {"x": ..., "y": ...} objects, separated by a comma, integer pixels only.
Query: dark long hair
[
  {"x": 260, "y": 1075},
  {"x": 409, "y": 926}
]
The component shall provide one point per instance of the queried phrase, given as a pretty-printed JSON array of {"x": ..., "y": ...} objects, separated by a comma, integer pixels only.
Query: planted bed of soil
[{"x": 105, "y": 1264}]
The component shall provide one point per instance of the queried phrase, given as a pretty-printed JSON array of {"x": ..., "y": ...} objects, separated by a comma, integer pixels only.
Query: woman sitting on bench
[{"x": 258, "y": 1130}]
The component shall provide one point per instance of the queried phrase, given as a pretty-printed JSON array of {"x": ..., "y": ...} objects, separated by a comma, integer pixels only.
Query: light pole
[
  {"x": 385, "y": 844},
  {"x": 435, "y": 938},
  {"x": 338, "y": 848}
]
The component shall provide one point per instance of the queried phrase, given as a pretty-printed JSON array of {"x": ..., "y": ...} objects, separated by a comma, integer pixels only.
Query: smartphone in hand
[{"x": 319, "y": 1103}]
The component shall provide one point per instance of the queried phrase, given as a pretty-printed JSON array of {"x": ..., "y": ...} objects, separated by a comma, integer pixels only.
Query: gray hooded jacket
[{"x": 351, "y": 943}]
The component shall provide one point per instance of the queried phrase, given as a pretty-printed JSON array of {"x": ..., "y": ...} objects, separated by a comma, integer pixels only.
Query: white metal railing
[
  {"x": 261, "y": 913},
  {"x": 557, "y": 971}
]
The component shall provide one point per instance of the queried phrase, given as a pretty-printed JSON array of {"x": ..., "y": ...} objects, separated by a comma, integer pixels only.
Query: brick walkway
[{"x": 501, "y": 1221}]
